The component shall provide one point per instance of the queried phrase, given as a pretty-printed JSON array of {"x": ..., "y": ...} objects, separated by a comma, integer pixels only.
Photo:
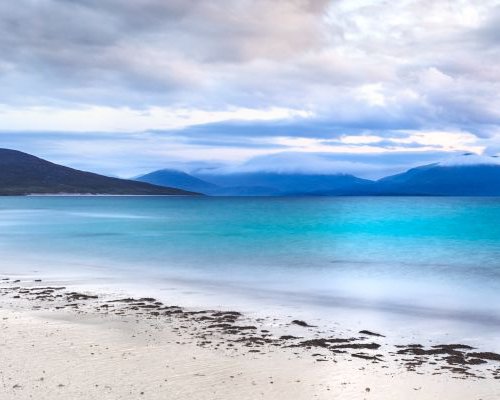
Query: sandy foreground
[{"x": 56, "y": 343}]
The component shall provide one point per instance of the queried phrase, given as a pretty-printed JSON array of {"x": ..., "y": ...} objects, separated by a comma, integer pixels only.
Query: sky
[{"x": 352, "y": 86}]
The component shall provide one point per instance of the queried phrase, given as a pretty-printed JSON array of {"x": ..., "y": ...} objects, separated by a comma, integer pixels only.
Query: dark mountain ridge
[{"x": 23, "y": 174}]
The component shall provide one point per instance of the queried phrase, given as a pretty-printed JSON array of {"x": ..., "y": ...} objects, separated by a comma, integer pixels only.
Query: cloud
[
  {"x": 368, "y": 165},
  {"x": 146, "y": 51},
  {"x": 223, "y": 82},
  {"x": 126, "y": 119}
]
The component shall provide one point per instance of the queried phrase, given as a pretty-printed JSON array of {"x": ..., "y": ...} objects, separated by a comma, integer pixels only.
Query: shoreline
[
  {"x": 290, "y": 343},
  {"x": 405, "y": 321}
]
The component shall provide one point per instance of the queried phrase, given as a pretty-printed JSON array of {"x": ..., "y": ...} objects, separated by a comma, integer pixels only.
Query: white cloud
[
  {"x": 124, "y": 119},
  {"x": 445, "y": 140},
  {"x": 372, "y": 94},
  {"x": 469, "y": 159},
  {"x": 361, "y": 139}
]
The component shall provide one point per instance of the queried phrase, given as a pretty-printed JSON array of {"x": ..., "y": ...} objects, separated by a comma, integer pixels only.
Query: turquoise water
[{"x": 427, "y": 258}]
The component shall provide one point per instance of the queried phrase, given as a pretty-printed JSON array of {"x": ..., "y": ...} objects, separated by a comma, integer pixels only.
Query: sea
[{"x": 413, "y": 268}]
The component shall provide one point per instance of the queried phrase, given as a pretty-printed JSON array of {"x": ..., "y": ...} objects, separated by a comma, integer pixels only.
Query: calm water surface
[{"x": 430, "y": 262}]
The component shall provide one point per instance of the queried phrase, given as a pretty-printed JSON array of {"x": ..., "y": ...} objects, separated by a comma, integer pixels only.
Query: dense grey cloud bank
[
  {"x": 147, "y": 50},
  {"x": 181, "y": 73}
]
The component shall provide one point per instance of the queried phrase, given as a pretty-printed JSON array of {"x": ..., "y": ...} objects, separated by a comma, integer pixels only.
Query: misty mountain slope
[
  {"x": 177, "y": 179},
  {"x": 253, "y": 184},
  {"x": 467, "y": 175},
  {"x": 285, "y": 183},
  {"x": 22, "y": 173}
]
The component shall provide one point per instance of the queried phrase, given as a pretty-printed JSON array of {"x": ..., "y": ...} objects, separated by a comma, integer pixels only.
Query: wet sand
[{"x": 59, "y": 343}]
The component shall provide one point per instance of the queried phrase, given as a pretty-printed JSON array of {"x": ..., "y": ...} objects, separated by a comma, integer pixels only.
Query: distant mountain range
[
  {"x": 273, "y": 183},
  {"x": 254, "y": 184},
  {"x": 22, "y": 174},
  {"x": 465, "y": 175}
]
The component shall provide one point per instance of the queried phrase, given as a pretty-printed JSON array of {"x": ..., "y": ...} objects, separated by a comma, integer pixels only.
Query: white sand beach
[{"x": 78, "y": 347}]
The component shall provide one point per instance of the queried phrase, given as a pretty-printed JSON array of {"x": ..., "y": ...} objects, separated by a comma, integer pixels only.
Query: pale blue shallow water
[{"x": 430, "y": 259}]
